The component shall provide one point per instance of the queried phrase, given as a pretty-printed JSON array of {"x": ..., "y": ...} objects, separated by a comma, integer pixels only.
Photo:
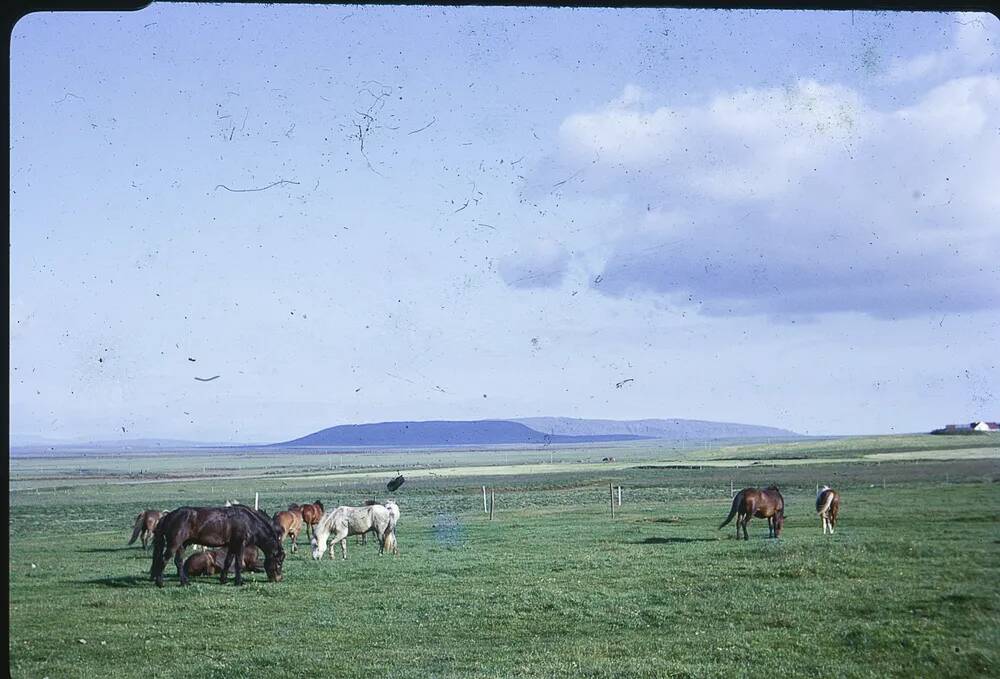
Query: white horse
[
  {"x": 390, "y": 537},
  {"x": 344, "y": 521}
]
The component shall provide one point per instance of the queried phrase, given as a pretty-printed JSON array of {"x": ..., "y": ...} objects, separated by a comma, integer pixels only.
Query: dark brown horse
[
  {"x": 764, "y": 504},
  {"x": 145, "y": 524},
  {"x": 290, "y": 524},
  {"x": 311, "y": 514},
  {"x": 211, "y": 562},
  {"x": 828, "y": 506},
  {"x": 232, "y": 527}
]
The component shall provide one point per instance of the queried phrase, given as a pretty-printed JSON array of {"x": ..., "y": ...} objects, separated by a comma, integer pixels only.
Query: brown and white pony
[
  {"x": 289, "y": 522},
  {"x": 145, "y": 524},
  {"x": 764, "y": 504},
  {"x": 828, "y": 506}
]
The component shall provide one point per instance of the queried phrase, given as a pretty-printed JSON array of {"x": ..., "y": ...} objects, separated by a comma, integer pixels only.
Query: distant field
[{"x": 551, "y": 588}]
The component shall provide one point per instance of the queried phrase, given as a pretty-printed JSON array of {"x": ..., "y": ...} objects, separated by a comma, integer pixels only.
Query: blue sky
[{"x": 786, "y": 219}]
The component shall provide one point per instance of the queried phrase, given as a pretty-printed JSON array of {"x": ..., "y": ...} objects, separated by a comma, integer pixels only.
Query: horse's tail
[
  {"x": 826, "y": 506},
  {"x": 737, "y": 501},
  {"x": 159, "y": 552},
  {"x": 138, "y": 528},
  {"x": 389, "y": 543}
]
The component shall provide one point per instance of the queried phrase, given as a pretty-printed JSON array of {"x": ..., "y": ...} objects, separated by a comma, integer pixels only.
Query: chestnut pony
[
  {"x": 145, "y": 524},
  {"x": 290, "y": 524},
  {"x": 764, "y": 504},
  {"x": 232, "y": 527},
  {"x": 311, "y": 514},
  {"x": 211, "y": 562}
]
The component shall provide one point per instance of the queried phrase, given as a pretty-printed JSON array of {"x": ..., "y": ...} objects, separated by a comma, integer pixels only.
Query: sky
[{"x": 360, "y": 214}]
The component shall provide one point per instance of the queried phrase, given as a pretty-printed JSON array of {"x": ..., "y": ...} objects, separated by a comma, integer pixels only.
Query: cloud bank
[{"x": 802, "y": 199}]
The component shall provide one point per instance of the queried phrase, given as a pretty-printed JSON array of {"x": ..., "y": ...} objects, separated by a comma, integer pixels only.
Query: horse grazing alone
[
  {"x": 311, "y": 514},
  {"x": 828, "y": 506},
  {"x": 344, "y": 521},
  {"x": 212, "y": 562},
  {"x": 751, "y": 502},
  {"x": 145, "y": 524},
  {"x": 233, "y": 527},
  {"x": 289, "y": 523}
]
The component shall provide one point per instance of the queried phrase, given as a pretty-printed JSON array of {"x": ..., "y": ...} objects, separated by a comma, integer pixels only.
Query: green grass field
[{"x": 552, "y": 587}]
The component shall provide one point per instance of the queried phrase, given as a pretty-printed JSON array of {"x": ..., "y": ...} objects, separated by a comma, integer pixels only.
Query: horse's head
[
  {"x": 273, "y": 563},
  {"x": 779, "y": 523},
  {"x": 318, "y": 541},
  {"x": 320, "y": 505}
]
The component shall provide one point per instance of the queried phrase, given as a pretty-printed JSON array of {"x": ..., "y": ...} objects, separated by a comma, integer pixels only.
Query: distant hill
[
  {"x": 677, "y": 430},
  {"x": 525, "y": 431},
  {"x": 440, "y": 433}
]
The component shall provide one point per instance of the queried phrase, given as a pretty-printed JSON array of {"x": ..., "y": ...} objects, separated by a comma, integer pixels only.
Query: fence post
[
  {"x": 619, "y": 496},
  {"x": 732, "y": 489},
  {"x": 485, "y": 510},
  {"x": 611, "y": 490},
  {"x": 256, "y": 500},
  {"x": 492, "y": 502}
]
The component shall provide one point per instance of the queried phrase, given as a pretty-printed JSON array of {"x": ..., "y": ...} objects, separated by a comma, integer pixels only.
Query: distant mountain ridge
[
  {"x": 441, "y": 433},
  {"x": 528, "y": 430},
  {"x": 675, "y": 429}
]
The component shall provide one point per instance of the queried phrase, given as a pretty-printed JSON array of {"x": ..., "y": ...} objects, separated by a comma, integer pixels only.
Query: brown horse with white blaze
[
  {"x": 145, "y": 525},
  {"x": 828, "y": 506},
  {"x": 764, "y": 504}
]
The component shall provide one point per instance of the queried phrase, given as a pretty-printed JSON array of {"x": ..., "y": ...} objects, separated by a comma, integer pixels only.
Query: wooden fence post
[
  {"x": 256, "y": 502},
  {"x": 611, "y": 490},
  {"x": 485, "y": 510},
  {"x": 492, "y": 502},
  {"x": 619, "y": 496},
  {"x": 732, "y": 489}
]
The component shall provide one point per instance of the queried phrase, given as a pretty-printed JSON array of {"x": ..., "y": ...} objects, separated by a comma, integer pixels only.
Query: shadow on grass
[
  {"x": 674, "y": 541},
  {"x": 106, "y": 550},
  {"x": 120, "y": 581}
]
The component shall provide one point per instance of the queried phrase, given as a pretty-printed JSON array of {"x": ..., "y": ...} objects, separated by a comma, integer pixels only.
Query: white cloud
[
  {"x": 539, "y": 265},
  {"x": 974, "y": 45},
  {"x": 805, "y": 199}
]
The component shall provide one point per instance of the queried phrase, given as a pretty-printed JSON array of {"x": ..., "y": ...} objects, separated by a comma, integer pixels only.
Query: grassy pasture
[{"x": 551, "y": 588}]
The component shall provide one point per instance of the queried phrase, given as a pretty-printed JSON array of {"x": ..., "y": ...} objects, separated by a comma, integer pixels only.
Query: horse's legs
[
  {"x": 179, "y": 562},
  {"x": 294, "y": 537},
  {"x": 745, "y": 523},
  {"x": 227, "y": 564},
  {"x": 239, "y": 565}
]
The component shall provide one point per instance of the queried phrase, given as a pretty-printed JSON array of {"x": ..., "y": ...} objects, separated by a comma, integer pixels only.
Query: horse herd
[{"x": 242, "y": 531}]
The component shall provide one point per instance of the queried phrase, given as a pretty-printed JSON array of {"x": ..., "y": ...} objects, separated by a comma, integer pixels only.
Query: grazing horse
[
  {"x": 344, "y": 521},
  {"x": 289, "y": 523},
  {"x": 311, "y": 514},
  {"x": 145, "y": 524},
  {"x": 751, "y": 502},
  {"x": 390, "y": 536},
  {"x": 211, "y": 562},
  {"x": 232, "y": 527},
  {"x": 828, "y": 506}
]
